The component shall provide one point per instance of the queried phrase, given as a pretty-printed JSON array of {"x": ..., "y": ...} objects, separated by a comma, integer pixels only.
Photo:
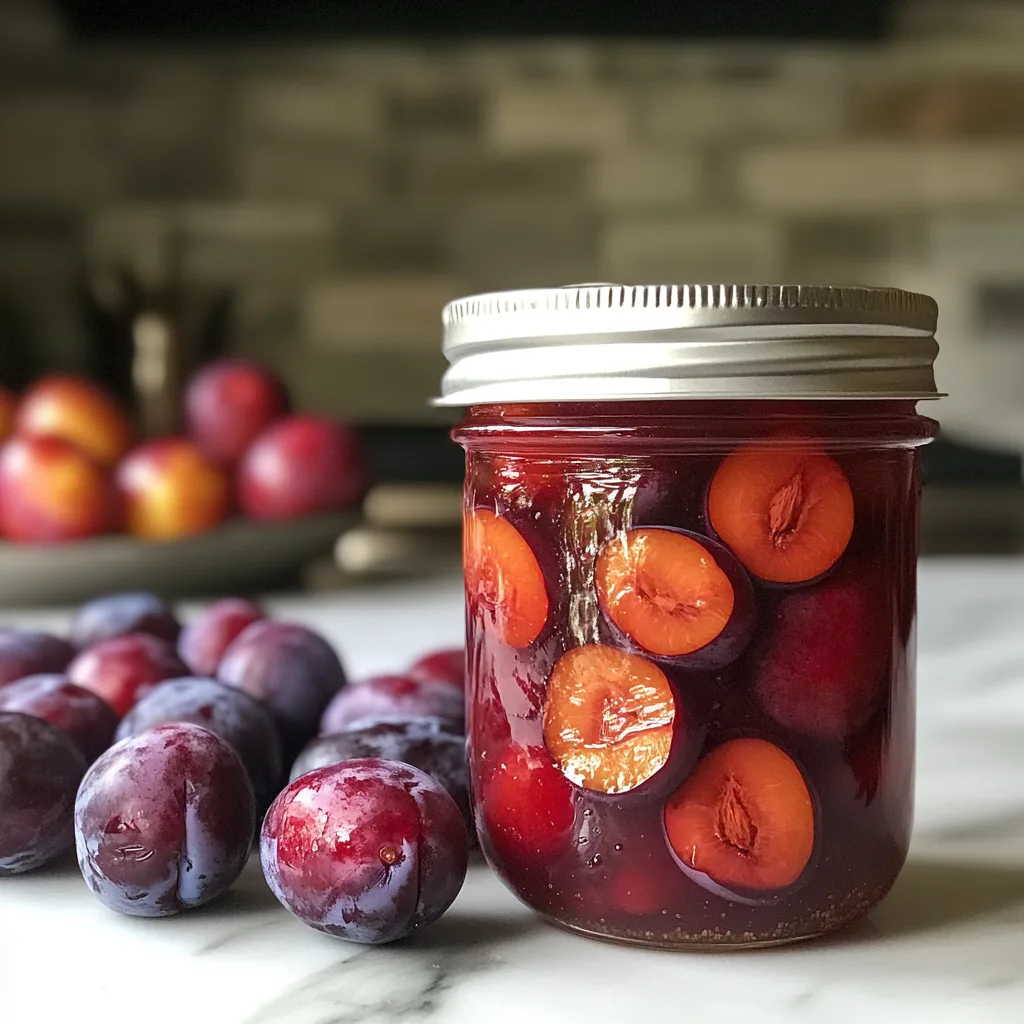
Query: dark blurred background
[{"x": 315, "y": 180}]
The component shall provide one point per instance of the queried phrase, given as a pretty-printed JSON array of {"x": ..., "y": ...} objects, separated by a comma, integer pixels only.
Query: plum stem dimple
[
  {"x": 389, "y": 855},
  {"x": 735, "y": 825},
  {"x": 786, "y": 511}
]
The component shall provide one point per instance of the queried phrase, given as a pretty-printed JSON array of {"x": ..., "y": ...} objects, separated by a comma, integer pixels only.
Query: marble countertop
[{"x": 946, "y": 946}]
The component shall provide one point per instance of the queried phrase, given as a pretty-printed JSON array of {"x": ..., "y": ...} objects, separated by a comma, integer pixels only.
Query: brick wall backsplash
[{"x": 344, "y": 193}]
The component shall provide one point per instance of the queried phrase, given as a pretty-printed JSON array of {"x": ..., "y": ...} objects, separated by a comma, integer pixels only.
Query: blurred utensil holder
[{"x": 147, "y": 336}]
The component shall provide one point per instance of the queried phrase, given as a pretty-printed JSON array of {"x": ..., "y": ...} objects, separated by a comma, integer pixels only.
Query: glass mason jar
[{"x": 691, "y": 520}]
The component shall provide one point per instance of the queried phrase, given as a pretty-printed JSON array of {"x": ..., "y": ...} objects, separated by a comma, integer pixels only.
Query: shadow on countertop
[{"x": 933, "y": 893}]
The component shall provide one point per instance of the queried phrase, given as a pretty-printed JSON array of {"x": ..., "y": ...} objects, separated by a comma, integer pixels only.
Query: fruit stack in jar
[{"x": 690, "y": 703}]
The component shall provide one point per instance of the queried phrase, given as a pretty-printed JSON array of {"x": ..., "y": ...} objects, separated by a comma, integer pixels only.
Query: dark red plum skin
[
  {"x": 447, "y": 666},
  {"x": 202, "y": 643},
  {"x": 670, "y": 495},
  {"x": 394, "y": 697},
  {"x": 89, "y": 720},
  {"x": 164, "y": 821},
  {"x": 120, "y": 614},
  {"x": 366, "y": 850},
  {"x": 125, "y": 668},
  {"x": 293, "y": 670},
  {"x": 40, "y": 769},
  {"x": 25, "y": 652},
  {"x": 421, "y": 742},
  {"x": 233, "y": 715}
]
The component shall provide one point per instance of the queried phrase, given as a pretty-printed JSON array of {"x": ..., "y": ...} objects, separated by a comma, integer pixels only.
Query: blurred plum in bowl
[
  {"x": 77, "y": 411},
  {"x": 228, "y": 403},
  {"x": 52, "y": 491},
  {"x": 172, "y": 490},
  {"x": 301, "y": 465}
]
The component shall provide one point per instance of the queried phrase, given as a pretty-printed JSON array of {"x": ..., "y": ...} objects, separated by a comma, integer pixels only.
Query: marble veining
[{"x": 946, "y": 946}]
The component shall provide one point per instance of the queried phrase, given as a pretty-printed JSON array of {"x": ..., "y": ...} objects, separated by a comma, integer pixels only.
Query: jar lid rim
[
  {"x": 690, "y": 305},
  {"x": 607, "y": 341}
]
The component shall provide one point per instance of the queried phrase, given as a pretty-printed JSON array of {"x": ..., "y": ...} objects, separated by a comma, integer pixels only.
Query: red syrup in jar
[{"x": 690, "y": 661}]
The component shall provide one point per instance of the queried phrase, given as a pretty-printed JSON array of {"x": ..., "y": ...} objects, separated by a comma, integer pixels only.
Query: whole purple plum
[
  {"x": 394, "y": 697},
  {"x": 366, "y": 850},
  {"x": 164, "y": 821},
  {"x": 112, "y": 615},
  {"x": 40, "y": 768},
  {"x": 26, "y": 652},
  {"x": 232, "y": 714},
  {"x": 293, "y": 670},
  {"x": 424, "y": 743},
  {"x": 203, "y": 642},
  {"x": 88, "y": 719},
  {"x": 125, "y": 668}
]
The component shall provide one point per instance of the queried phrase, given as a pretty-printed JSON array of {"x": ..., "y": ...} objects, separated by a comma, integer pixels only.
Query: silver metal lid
[{"x": 596, "y": 342}]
